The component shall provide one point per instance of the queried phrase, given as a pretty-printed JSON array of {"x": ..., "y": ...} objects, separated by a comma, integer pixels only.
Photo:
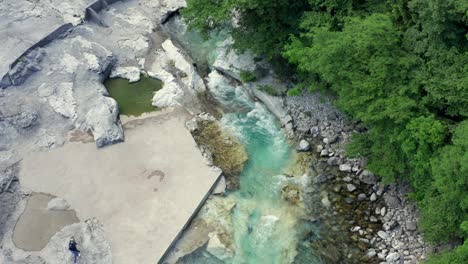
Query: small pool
[{"x": 135, "y": 98}]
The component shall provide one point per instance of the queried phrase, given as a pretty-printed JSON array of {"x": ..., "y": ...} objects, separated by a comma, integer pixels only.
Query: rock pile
[{"x": 383, "y": 223}]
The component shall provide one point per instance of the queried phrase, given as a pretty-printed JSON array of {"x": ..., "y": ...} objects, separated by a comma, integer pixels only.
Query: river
[{"x": 266, "y": 228}]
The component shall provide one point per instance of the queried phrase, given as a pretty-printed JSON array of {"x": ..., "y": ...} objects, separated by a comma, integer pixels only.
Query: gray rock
[
  {"x": 303, "y": 145},
  {"x": 351, "y": 187},
  {"x": 349, "y": 200},
  {"x": 333, "y": 161},
  {"x": 371, "y": 253},
  {"x": 330, "y": 139},
  {"x": 315, "y": 131},
  {"x": 411, "y": 225},
  {"x": 345, "y": 167},
  {"x": 321, "y": 178},
  {"x": 347, "y": 179},
  {"x": 361, "y": 197},
  {"x": 391, "y": 200},
  {"x": 324, "y": 153},
  {"x": 392, "y": 257},
  {"x": 319, "y": 148},
  {"x": 103, "y": 122},
  {"x": 373, "y": 197},
  {"x": 27, "y": 65},
  {"x": 24, "y": 119},
  {"x": 367, "y": 177},
  {"x": 383, "y": 211},
  {"x": 384, "y": 235}
]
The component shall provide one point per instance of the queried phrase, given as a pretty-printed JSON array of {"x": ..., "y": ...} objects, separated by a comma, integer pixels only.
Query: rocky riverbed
[{"x": 383, "y": 221}]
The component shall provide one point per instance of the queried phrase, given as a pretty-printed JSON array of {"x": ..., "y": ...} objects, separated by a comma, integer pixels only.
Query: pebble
[
  {"x": 383, "y": 211},
  {"x": 333, "y": 161},
  {"x": 347, "y": 179},
  {"x": 324, "y": 153},
  {"x": 345, "y": 168},
  {"x": 361, "y": 197},
  {"x": 392, "y": 257},
  {"x": 383, "y": 235},
  {"x": 371, "y": 253},
  {"x": 373, "y": 197},
  {"x": 351, "y": 187}
]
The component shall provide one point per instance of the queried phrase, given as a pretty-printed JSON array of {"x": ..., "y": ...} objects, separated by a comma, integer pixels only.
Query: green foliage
[
  {"x": 296, "y": 91},
  {"x": 247, "y": 76},
  {"x": 457, "y": 256},
  {"x": 446, "y": 205}
]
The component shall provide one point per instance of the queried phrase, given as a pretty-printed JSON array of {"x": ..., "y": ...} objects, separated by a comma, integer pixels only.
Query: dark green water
[{"x": 133, "y": 98}]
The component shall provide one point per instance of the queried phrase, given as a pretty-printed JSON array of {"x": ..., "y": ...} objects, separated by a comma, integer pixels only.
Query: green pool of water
[{"x": 133, "y": 98}]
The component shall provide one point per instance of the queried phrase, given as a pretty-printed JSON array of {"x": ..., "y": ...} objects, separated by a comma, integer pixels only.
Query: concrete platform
[{"x": 143, "y": 191}]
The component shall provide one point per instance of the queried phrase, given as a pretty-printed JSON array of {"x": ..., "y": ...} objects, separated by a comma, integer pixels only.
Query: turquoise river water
[{"x": 267, "y": 228}]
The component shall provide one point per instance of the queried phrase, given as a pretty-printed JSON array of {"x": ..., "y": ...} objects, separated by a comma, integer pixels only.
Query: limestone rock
[
  {"x": 180, "y": 77},
  {"x": 330, "y": 139},
  {"x": 392, "y": 257},
  {"x": 60, "y": 98},
  {"x": 132, "y": 74},
  {"x": 324, "y": 153},
  {"x": 383, "y": 235},
  {"x": 58, "y": 204},
  {"x": 218, "y": 248},
  {"x": 351, "y": 187},
  {"x": 26, "y": 66},
  {"x": 392, "y": 201},
  {"x": 231, "y": 63},
  {"x": 333, "y": 161},
  {"x": 345, "y": 167},
  {"x": 103, "y": 122},
  {"x": 303, "y": 145}
]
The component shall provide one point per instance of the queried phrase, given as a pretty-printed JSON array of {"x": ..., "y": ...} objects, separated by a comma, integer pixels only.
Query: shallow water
[{"x": 133, "y": 98}]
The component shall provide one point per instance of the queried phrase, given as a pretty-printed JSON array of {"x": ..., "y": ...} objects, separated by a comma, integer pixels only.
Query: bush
[{"x": 296, "y": 91}]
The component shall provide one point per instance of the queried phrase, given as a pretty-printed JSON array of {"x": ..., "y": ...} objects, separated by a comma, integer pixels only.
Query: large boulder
[
  {"x": 103, "y": 121},
  {"x": 181, "y": 80},
  {"x": 231, "y": 63},
  {"x": 132, "y": 74}
]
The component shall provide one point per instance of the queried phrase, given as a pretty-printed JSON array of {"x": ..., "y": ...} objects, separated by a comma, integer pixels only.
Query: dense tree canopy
[{"x": 399, "y": 66}]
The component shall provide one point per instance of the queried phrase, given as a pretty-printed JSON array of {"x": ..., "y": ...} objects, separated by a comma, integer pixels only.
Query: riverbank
[{"x": 384, "y": 221}]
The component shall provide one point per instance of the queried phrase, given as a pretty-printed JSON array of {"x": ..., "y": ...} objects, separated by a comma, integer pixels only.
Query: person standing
[{"x": 74, "y": 250}]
